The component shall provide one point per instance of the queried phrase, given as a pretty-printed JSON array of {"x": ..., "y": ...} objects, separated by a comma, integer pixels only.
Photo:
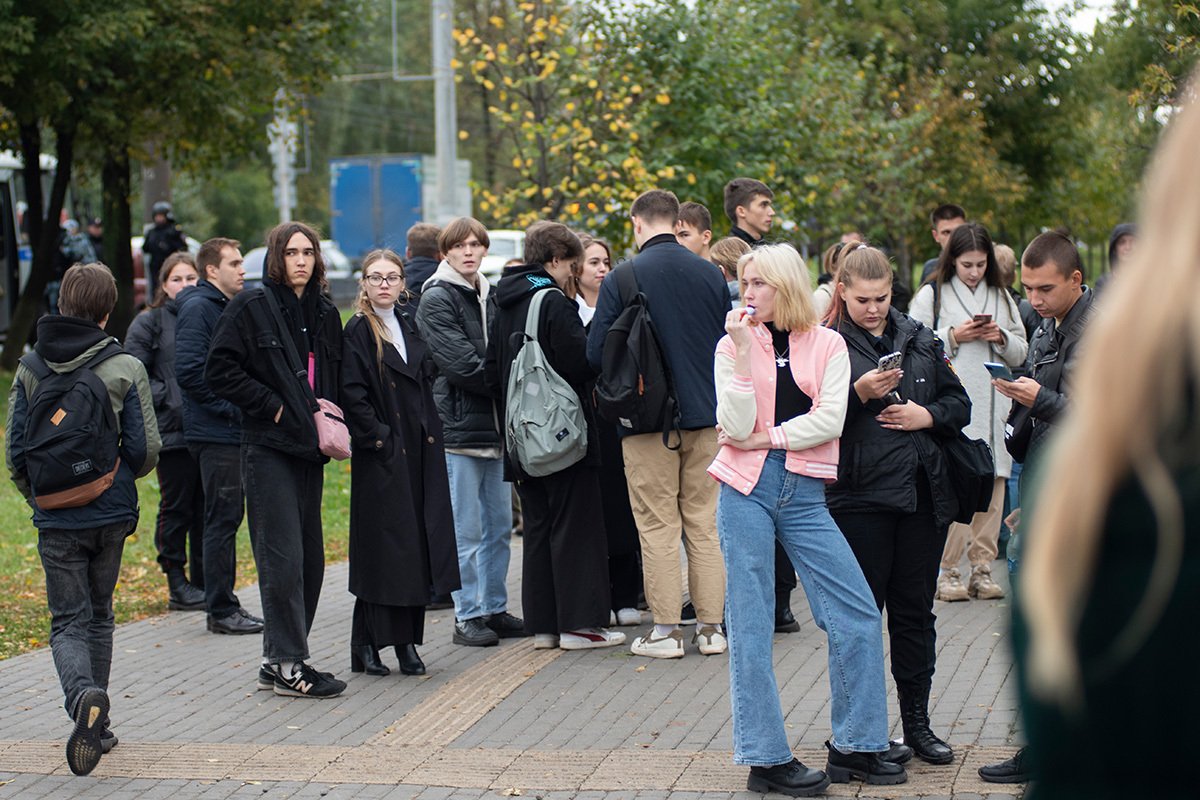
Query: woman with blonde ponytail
[
  {"x": 402, "y": 548},
  {"x": 1110, "y": 580}
]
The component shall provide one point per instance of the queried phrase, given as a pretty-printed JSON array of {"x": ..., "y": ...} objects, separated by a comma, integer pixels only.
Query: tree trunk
[
  {"x": 43, "y": 231},
  {"x": 115, "y": 183}
]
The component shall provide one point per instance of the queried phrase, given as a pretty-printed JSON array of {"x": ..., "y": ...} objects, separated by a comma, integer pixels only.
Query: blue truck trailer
[{"x": 374, "y": 200}]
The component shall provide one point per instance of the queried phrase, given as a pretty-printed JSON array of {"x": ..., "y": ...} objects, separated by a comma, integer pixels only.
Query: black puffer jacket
[
  {"x": 561, "y": 335},
  {"x": 248, "y": 365},
  {"x": 451, "y": 321},
  {"x": 151, "y": 338},
  {"x": 878, "y": 467}
]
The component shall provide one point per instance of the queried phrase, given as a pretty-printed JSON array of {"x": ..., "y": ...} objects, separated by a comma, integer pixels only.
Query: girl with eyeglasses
[{"x": 402, "y": 547}]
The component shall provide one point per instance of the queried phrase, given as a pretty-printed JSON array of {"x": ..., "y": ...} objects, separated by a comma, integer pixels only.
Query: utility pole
[
  {"x": 282, "y": 134},
  {"x": 445, "y": 109}
]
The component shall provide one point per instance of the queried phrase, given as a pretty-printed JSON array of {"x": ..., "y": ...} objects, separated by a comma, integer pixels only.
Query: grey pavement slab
[{"x": 485, "y": 722}]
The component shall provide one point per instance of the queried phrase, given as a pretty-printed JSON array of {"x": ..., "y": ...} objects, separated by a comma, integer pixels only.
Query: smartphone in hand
[
  {"x": 999, "y": 371},
  {"x": 982, "y": 319},
  {"x": 890, "y": 361}
]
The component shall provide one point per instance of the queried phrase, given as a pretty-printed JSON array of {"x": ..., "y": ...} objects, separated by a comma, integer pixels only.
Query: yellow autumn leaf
[{"x": 663, "y": 98}]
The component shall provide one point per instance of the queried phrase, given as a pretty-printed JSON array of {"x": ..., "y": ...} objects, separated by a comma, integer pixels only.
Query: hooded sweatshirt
[
  {"x": 65, "y": 344},
  {"x": 560, "y": 333}
]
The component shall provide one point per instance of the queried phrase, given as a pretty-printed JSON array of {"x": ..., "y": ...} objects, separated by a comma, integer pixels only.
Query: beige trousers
[
  {"x": 672, "y": 497},
  {"x": 980, "y": 539}
]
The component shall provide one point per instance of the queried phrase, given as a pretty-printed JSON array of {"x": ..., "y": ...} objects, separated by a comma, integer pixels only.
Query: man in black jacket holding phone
[{"x": 1052, "y": 274}]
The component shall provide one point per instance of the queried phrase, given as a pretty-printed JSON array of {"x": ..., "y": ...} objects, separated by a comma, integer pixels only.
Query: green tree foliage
[{"x": 194, "y": 77}]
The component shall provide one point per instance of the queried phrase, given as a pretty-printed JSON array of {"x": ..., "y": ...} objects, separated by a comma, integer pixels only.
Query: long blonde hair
[
  {"x": 1121, "y": 425},
  {"x": 362, "y": 303}
]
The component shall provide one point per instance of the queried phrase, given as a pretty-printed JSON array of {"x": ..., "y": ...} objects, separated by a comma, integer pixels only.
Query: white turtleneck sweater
[{"x": 388, "y": 315}]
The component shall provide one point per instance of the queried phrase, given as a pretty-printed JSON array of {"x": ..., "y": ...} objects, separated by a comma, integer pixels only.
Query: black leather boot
[
  {"x": 793, "y": 779},
  {"x": 785, "y": 620},
  {"x": 914, "y": 717},
  {"x": 183, "y": 596},
  {"x": 868, "y": 767},
  {"x": 365, "y": 657},
  {"x": 410, "y": 661}
]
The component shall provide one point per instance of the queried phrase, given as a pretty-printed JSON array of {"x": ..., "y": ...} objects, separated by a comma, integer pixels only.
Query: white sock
[
  {"x": 661, "y": 631},
  {"x": 287, "y": 668}
]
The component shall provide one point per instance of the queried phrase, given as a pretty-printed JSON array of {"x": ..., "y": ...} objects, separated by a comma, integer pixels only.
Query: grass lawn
[{"x": 142, "y": 587}]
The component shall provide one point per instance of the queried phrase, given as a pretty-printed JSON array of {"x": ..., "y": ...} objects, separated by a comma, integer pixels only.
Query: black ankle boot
[
  {"x": 914, "y": 717},
  {"x": 793, "y": 779},
  {"x": 410, "y": 662},
  {"x": 868, "y": 767},
  {"x": 365, "y": 657},
  {"x": 183, "y": 596}
]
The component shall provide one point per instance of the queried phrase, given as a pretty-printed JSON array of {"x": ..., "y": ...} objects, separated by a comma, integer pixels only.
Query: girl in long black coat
[{"x": 402, "y": 548}]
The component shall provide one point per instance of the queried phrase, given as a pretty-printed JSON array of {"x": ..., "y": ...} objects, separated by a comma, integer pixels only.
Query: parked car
[{"x": 505, "y": 245}]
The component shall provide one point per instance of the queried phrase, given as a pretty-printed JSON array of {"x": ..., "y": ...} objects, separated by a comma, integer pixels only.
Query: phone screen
[{"x": 983, "y": 318}]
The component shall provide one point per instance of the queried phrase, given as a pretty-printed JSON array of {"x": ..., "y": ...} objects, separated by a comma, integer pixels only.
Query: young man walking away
[{"x": 79, "y": 384}]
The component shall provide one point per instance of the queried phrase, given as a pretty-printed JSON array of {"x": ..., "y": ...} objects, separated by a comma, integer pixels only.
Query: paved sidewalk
[{"x": 485, "y": 722}]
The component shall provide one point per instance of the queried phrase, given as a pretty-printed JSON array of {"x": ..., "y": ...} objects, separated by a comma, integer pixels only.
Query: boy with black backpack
[{"x": 80, "y": 430}]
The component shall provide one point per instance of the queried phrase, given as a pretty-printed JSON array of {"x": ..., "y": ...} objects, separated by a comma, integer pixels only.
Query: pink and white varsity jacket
[{"x": 746, "y": 403}]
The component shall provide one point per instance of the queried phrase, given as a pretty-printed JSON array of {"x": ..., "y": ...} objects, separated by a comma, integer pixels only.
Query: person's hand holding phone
[
  {"x": 1023, "y": 390},
  {"x": 905, "y": 417},
  {"x": 968, "y": 331},
  {"x": 991, "y": 332},
  {"x": 875, "y": 384}
]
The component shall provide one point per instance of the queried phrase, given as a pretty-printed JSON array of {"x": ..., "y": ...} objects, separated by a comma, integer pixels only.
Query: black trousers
[
  {"x": 180, "y": 514},
  {"x": 564, "y": 578},
  {"x": 624, "y": 546},
  {"x": 221, "y": 474},
  {"x": 283, "y": 498},
  {"x": 899, "y": 555},
  {"x": 785, "y": 578}
]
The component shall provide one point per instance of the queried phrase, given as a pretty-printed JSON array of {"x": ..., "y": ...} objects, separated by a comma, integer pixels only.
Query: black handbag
[
  {"x": 1018, "y": 430},
  {"x": 972, "y": 475}
]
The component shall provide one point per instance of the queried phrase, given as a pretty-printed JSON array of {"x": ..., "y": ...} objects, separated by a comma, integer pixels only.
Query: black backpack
[
  {"x": 635, "y": 389},
  {"x": 71, "y": 436}
]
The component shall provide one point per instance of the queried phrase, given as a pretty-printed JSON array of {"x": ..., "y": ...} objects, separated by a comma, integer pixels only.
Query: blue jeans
[
  {"x": 791, "y": 508},
  {"x": 81, "y": 569},
  {"x": 482, "y": 504}
]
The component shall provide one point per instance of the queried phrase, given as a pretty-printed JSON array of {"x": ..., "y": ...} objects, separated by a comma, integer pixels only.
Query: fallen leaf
[
  {"x": 512, "y": 792},
  {"x": 642, "y": 668}
]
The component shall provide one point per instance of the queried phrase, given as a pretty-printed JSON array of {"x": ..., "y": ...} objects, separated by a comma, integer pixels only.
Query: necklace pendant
[{"x": 781, "y": 361}]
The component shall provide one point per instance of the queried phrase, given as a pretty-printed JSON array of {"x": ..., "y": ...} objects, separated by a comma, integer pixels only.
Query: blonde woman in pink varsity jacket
[{"x": 782, "y": 385}]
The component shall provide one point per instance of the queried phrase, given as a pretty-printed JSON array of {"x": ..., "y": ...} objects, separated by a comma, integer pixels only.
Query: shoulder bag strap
[{"x": 289, "y": 348}]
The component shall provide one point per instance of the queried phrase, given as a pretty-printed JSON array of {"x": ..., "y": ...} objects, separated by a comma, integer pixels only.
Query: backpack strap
[
  {"x": 533, "y": 316},
  {"x": 289, "y": 349},
  {"x": 627, "y": 285},
  {"x": 937, "y": 303}
]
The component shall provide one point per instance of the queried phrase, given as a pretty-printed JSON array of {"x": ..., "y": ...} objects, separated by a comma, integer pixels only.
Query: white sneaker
[
  {"x": 669, "y": 646},
  {"x": 588, "y": 638},
  {"x": 710, "y": 640},
  {"x": 629, "y": 616},
  {"x": 545, "y": 641}
]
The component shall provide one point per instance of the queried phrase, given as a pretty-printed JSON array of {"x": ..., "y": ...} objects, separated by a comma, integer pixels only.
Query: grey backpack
[{"x": 545, "y": 431}]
